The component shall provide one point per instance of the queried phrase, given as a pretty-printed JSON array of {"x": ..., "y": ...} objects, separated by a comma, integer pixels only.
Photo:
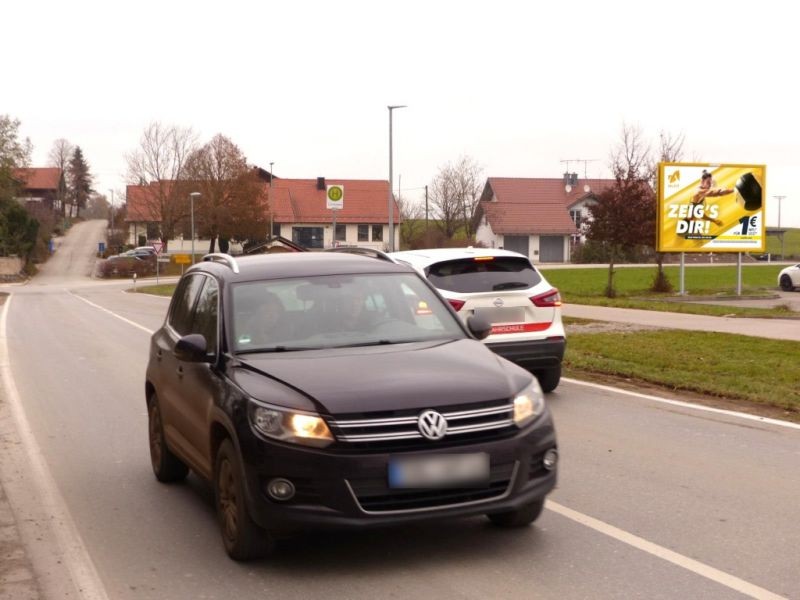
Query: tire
[
  {"x": 242, "y": 537},
  {"x": 167, "y": 467},
  {"x": 549, "y": 378},
  {"x": 786, "y": 283},
  {"x": 521, "y": 517}
]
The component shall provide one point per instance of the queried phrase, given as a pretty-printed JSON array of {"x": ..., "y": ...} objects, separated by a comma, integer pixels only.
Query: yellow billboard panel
[{"x": 711, "y": 207}]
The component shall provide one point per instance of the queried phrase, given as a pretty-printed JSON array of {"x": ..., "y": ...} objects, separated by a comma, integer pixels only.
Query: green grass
[
  {"x": 586, "y": 286},
  {"x": 165, "y": 289},
  {"x": 757, "y": 370}
]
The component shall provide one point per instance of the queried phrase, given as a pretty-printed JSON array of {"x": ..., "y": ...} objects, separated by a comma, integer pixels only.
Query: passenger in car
[{"x": 266, "y": 324}]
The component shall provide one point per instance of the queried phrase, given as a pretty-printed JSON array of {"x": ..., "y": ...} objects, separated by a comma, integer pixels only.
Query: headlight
[
  {"x": 528, "y": 404},
  {"x": 288, "y": 426}
]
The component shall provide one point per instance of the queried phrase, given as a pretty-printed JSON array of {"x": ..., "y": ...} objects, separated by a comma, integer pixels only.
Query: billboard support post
[
  {"x": 739, "y": 274},
  {"x": 682, "y": 275}
]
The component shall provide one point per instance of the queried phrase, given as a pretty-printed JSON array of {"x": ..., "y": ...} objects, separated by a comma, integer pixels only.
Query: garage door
[
  {"x": 516, "y": 243},
  {"x": 551, "y": 248}
]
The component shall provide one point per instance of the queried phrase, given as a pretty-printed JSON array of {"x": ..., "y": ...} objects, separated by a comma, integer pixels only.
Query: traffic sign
[
  {"x": 335, "y": 197},
  {"x": 158, "y": 246},
  {"x": 182, "y": 259}
]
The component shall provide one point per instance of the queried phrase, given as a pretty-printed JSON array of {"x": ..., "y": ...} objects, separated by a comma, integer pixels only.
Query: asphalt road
[{"x": 655, "y": 500}]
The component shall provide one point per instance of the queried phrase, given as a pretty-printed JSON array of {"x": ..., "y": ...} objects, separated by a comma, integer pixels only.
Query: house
[
  {"x": 296, "y": 211},
  {"x": 541, "y": 218},
  {"x": 44, "y": 187}
]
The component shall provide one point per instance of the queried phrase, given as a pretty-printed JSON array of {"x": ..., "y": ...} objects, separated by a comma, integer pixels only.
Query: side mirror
[
  {"x": 192, "y": 348},
  {"x": 479, "y": 326}
]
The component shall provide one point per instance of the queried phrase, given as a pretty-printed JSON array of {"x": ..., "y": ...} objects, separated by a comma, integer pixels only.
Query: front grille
[
  {"x": 399, "y": 430},
  {"x": 374, "y": 495}
]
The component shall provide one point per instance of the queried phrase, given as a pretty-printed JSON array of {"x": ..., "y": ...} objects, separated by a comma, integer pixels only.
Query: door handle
[
  {"x": 180, "y": 371},
  {"x": 159, "y": 354}
]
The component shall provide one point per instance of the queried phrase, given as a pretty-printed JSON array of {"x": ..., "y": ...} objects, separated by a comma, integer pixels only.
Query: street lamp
[
  {"x": 192, "y": 196},
  {"x": 271, "y": 209},
  {"x": 391, "y": 179},
  {"x": 112, "y": 212},
  {"x": 780, "y": 232}
]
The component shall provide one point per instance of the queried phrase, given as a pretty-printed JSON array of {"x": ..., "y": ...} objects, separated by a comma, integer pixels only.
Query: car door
[
  {"x": 168, "y": 384},
  {"x": 198, "y": 383}
]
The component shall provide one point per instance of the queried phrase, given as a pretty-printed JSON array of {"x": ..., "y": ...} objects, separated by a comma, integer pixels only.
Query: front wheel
[
  {"x": 521, "y": 517},
  {"x": 549, "y": 378},
  {"x": 786, "y": 283},
  {"x": 242, "y": 537}
]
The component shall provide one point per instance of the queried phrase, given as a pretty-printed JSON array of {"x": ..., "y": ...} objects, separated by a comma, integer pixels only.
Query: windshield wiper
[
  {"x": 361, "y": 344},
  {"x": 510, "y": 285},
  {"x": 273, "y": 349}
]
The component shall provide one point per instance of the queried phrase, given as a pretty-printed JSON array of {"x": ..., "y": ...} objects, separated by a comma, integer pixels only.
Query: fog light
[
  {"x": 550, "y": 459},
  {"x": 280, "y": 489}
]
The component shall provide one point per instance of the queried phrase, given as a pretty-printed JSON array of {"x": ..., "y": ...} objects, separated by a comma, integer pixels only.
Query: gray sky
[{"x": 519, "y": 86}]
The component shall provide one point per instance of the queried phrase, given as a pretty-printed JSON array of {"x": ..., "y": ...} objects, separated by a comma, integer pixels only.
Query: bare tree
[
  {"x": 413, "y": 225},
  {"x": 232, "y": 202},
  {"x": 60, "y": 154},
  {"x": 670, "y": 149},
  {"x": 625, "y": 214},
  {"x": 454, "y": 195},
  {"x": 160, "y": 161}
]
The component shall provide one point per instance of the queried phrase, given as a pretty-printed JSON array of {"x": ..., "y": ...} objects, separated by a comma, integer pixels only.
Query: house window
[
  {"x": 341, "y": 232},
  {"x": 377, "y": 233},
  {"x": 276, "y": 229},
  {"x": 363, "y": 233},
  {"x": 308, "y": 237},
  {"x": 575, "y": 215}
]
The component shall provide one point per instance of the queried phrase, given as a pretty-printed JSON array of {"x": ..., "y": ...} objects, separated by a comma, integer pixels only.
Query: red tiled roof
[
  {"x": 299, "y": 201},
  {"x": 142, "y": 204},
  {"x": 39, "y": 178},
  {"x": 533, "y": 205}
]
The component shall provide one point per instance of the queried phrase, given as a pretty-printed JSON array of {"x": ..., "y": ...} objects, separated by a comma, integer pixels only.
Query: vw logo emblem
[
  {"x": 432, "y": 425},
  {"x": 498, "y": 302}
]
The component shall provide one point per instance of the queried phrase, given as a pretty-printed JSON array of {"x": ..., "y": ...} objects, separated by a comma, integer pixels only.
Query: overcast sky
[{"x": 518, "y": 86}]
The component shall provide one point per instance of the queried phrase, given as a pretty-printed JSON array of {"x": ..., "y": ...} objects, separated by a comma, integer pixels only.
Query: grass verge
[
  {"x": 760, "y": 371},
  {"x": 165, "y": 289}
]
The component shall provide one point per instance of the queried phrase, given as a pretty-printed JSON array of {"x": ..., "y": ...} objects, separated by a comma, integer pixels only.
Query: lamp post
[
  {"x": 192, "y": 196},
  {"x": 780, "y": 233},
  {"x": 391, "y": 179},
  {"x": 271, "y": 213},
  {"x": 112, "y": 213}
]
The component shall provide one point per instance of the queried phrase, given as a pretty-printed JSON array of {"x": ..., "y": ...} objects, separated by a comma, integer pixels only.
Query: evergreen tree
[
  {"x": 18, "y": 230},
  {"x": 80, "y": 180}
]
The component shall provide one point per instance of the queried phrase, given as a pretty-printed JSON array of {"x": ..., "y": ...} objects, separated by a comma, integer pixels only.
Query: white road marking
[
  {"x": 73, "y": 552},
  {"x": 725, "y": 579},
  {"x": 700, "y": 407},
  {"x": 113, "y": 314},
  {"x": 702, "y": 569}
]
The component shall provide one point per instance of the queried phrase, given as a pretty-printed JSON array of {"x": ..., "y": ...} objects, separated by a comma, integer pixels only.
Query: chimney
[
  {"x": 320, "y": 183},
  {"x": 573, "y": 179},
  {"x": 566, "y": 178}
]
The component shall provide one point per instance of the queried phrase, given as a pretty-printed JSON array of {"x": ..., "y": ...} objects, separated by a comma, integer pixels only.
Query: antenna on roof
[{"x": 570, "y": 179}]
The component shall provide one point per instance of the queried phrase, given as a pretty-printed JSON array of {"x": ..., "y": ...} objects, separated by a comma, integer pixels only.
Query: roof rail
[
  {"x": 223, "y": 258},
  {"x": 371, "y": 252}
]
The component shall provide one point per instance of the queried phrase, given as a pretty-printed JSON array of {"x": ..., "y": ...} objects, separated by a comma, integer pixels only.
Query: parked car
[
  {"x": 789, "y": 278},
  {"x": 505, "y": 287},
  {"x": 312, "y": 394},
  {"x": 125, "y": 265}
]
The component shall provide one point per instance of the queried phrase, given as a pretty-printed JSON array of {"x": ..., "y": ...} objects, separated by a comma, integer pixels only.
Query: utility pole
[
  {"x": 780, "y": 231},
  {"x": 426, "y": 214},
  {"x": 112, "y": 216},
  {"x": 271, "y": 213}
]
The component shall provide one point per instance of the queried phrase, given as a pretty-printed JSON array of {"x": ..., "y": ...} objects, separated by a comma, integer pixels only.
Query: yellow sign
[
  {"x": 182, "y": 259},
  {"x": 711, "y": 207}
]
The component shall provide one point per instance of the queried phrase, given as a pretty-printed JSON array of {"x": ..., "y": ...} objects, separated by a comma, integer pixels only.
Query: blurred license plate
[
  {"x": 440, "y": 471},
  {"x": 505, "y": 314}
]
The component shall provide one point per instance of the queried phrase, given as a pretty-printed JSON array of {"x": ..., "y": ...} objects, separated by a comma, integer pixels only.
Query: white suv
[{"x": 504, "y": 287}]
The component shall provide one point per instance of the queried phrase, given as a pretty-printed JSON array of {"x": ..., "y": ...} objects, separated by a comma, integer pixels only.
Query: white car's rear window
[{"x": 484, "y": 274}]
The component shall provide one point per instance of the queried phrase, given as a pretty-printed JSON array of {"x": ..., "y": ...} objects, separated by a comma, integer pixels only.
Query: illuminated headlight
[
  {"x": 528, "y": 404},
  {"x": 288, "y": 426}
]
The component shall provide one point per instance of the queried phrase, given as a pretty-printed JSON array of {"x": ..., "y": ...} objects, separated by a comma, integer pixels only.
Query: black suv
[{"x": 326, "y": 390}]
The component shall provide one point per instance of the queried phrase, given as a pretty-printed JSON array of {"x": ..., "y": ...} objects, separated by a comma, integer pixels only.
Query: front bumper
[
  {"x": 532, "y": 354},
  {"x": 343, "y": 488}
]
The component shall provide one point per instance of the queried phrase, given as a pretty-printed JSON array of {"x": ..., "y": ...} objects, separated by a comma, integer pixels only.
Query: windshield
[
  {"x": 484, "y": 274},
  {"x": 338, "y": 311}
]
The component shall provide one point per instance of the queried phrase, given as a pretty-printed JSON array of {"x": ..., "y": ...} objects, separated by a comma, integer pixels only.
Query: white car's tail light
[
  {"x": 456, "y": 304},
  {"x": 550, "y": 299}
]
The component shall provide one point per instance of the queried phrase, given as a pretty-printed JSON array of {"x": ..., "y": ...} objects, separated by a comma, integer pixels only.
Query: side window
[
  {"x": 205, "y": 314},
  {"x": 363, "y": 233},
  {"x": 180, "y": 316}
]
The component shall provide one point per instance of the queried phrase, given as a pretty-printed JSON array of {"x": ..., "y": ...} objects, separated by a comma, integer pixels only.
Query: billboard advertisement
[{"x": 711, "y": 207}]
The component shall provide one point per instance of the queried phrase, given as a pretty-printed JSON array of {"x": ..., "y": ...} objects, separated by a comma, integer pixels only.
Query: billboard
[{"x": 711, "y": 207}]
